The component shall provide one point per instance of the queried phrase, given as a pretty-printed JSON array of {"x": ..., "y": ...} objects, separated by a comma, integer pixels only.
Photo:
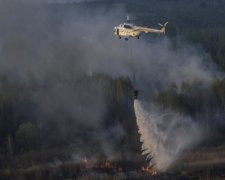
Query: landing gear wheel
[
  {"x": 138, "y": 37},
  {"x": 119, "y": 37},
  {"x": 126, "y": 39}
]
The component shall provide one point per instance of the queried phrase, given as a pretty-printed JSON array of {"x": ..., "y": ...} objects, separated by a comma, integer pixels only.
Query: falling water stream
[{"x": 164, "y": 135}]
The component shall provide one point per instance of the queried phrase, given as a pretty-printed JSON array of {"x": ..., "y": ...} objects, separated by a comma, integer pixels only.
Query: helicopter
[{"x": 128, "y": 30}]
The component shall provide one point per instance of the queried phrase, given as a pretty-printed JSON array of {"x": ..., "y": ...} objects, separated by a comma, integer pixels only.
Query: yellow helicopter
[{"x": 128, "y": 30}]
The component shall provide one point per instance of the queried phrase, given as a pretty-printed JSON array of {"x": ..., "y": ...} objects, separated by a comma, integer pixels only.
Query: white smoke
[{"x": 164, "y": 136}]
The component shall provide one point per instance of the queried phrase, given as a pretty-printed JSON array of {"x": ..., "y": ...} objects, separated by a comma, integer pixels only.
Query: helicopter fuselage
[
  {"x": 129, "y": 30},
  {"x": 126, "y": 30}
]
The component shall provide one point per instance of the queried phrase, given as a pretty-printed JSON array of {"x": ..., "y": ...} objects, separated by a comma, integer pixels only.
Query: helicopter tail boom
[{"x": 149, "y": 30}]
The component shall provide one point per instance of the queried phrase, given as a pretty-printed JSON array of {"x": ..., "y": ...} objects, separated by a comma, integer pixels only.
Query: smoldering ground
[{"x": 57, "y": 47}]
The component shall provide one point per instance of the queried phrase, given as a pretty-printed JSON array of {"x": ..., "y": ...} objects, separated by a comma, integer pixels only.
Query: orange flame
[{"x": 149, "y": 169}]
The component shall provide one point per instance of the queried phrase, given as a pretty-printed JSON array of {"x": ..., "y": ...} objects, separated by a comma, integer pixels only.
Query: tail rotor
[{"x": 163, "y": 27}]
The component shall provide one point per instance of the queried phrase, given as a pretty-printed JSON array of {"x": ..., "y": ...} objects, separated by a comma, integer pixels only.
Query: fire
[
  {"x": 99, "y": 165},
  {"x": 87, "y": 162},
  {"x": 105, "y": 165},
  {"x": 149, "y": 169}
]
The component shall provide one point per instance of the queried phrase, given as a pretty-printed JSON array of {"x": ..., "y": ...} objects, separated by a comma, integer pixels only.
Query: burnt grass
[
  {"x": 29, "y": 167},
  {"x": 76, "y": 171}
]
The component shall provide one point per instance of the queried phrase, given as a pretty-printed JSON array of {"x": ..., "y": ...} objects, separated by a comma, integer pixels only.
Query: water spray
[{"x": 164, "y": 134}]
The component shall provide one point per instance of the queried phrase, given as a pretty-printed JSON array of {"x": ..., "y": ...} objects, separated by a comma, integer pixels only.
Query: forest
[{"x": 63, "y": 114}]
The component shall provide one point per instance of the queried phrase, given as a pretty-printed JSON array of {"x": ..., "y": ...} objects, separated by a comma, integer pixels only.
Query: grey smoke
[
  {"x": 45, "y": 42},
  {"x": 56, "y": 46}
]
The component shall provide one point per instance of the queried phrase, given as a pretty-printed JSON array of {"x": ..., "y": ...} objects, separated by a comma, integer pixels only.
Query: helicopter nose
[{"x": 115, "y": 31}]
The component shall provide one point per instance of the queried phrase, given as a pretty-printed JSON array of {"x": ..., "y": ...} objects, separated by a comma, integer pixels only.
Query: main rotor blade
[
  {"x": 128, "y": 18},
  {"x": 140, "y": 19}
]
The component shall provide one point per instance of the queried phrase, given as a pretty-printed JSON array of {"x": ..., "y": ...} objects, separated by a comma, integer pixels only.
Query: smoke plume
[{"x": 60, "y": 48}]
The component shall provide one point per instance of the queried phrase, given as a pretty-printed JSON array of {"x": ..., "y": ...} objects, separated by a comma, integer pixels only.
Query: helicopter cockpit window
[{"x": 127, "y": 26}]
